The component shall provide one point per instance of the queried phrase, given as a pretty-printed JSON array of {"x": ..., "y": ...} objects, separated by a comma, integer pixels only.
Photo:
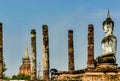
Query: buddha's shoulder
[
  {"x": 112, "y": 36},
  {"x": 108, "y": 38}
]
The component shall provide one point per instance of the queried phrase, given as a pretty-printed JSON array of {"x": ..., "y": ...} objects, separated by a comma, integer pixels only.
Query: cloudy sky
[{"x": 20, "y": 16}]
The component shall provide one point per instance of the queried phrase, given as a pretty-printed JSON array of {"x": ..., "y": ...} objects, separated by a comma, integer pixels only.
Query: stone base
[
  {"x": 101, "y": 72},
  {"x": 108, "y": 58},
  {"x": 107, "y": 67},
  {"x": 91, "y": 76}
]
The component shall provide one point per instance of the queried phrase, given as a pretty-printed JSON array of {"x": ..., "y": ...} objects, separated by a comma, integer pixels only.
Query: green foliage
[
  {"x": 5, "y": 77},
  {"x": 17, "y": 77},
  {"x": 4, "y": 67},
  {"x": 20, "y": 77}
]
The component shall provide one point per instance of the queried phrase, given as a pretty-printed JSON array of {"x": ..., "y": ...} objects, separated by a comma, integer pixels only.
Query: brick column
[
  {"x": 45, "y": 52},
  {"x": 90, "y": 61},
  {"x": 70, "y": 50},
  {"x": 1, "y": 52},
  {"x": 33, "y": 54}
]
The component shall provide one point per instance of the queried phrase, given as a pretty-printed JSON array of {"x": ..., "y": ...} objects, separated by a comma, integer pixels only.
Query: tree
[
  {"x": 14, "y": 77},
  {"x": 4, "y": 67},
  {"x": 20, "y": 77},
  {"x": 5, "y": 77}
]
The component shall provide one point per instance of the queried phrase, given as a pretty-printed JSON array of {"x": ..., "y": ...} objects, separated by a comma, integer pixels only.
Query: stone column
[
  {"x": 1, "y": 52},
  {"x": 70, "y": 51},
  {"x": 90, "y": 61},
  {"x": 45, "y": 52},
  {"x": 33, "y": 54}
]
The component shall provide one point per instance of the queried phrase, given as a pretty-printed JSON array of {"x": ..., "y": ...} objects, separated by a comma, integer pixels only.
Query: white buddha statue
[{"x": 109, "y": 43}]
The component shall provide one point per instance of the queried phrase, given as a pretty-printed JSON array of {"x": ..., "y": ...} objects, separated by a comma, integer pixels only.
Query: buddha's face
[{"x": 107, "y": 28}]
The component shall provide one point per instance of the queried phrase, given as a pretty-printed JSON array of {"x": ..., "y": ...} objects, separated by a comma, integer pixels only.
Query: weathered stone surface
[
  {"x": 107, "y": 67},
  {"x": 33, "y": 54},
  {"x": 92, "y": 75},
  {"x": 110, "y": 76},
  {"x": 90, "y": 61},
  {"x": 1, "y": 52},
  {"x": 70, "y": 50},
  {"x": 45, "y": 52},
  {"x": 109, "y": 58}
]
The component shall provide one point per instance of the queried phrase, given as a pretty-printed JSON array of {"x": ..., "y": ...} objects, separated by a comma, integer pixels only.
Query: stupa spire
[
  {"x": 108, "y": 14},
  {"x": 25, "y": 68},
  {"x": 26, "y": 52}
]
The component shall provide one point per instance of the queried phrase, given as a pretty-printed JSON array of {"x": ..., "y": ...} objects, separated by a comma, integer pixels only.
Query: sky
[{"x": 20, "y": 16}]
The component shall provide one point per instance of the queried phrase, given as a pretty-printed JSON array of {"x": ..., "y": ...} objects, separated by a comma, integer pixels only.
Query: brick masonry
[
  {"x": 33, "y": 54},
  {"x": 90, "y": 61},
  {"x": 1, "y": 52},
  {"x": 45, "y": 52},
  {"x": 70, "y": 50}
]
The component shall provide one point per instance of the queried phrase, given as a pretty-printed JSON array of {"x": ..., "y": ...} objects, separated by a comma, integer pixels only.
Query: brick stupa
[{"x": 25, "y": 68}]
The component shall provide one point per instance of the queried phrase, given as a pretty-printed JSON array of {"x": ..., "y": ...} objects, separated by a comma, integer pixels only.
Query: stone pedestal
[
  {"x": 107, "y": 67},
  {"x": 108, "y": 58}
]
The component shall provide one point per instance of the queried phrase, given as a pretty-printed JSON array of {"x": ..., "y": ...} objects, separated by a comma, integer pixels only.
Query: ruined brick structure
[
  {"x": 90, "y": 61},
  {"x": 45, "y": 52},
  {"x": 25, "y": 68},
  {"x": 103, "y": 68},
  {"x": 1, "y": 52},
  {"x": 33, "y": 55},
  {"x": 70, "y": 51}
]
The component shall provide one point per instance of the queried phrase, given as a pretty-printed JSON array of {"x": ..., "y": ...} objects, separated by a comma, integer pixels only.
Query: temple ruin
[
  {"x": 33, "y": 55},
  {"x": 104, "y": 66},
  {"x": 101, "y": 68},
  {"x": 45, "y": 52},
  {"x": 25, "y": 68},
  {"x": 70, "y": 51}
]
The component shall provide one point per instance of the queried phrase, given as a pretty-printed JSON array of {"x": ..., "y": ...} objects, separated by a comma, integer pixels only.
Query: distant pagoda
[{"x": 25, "y": 68}]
